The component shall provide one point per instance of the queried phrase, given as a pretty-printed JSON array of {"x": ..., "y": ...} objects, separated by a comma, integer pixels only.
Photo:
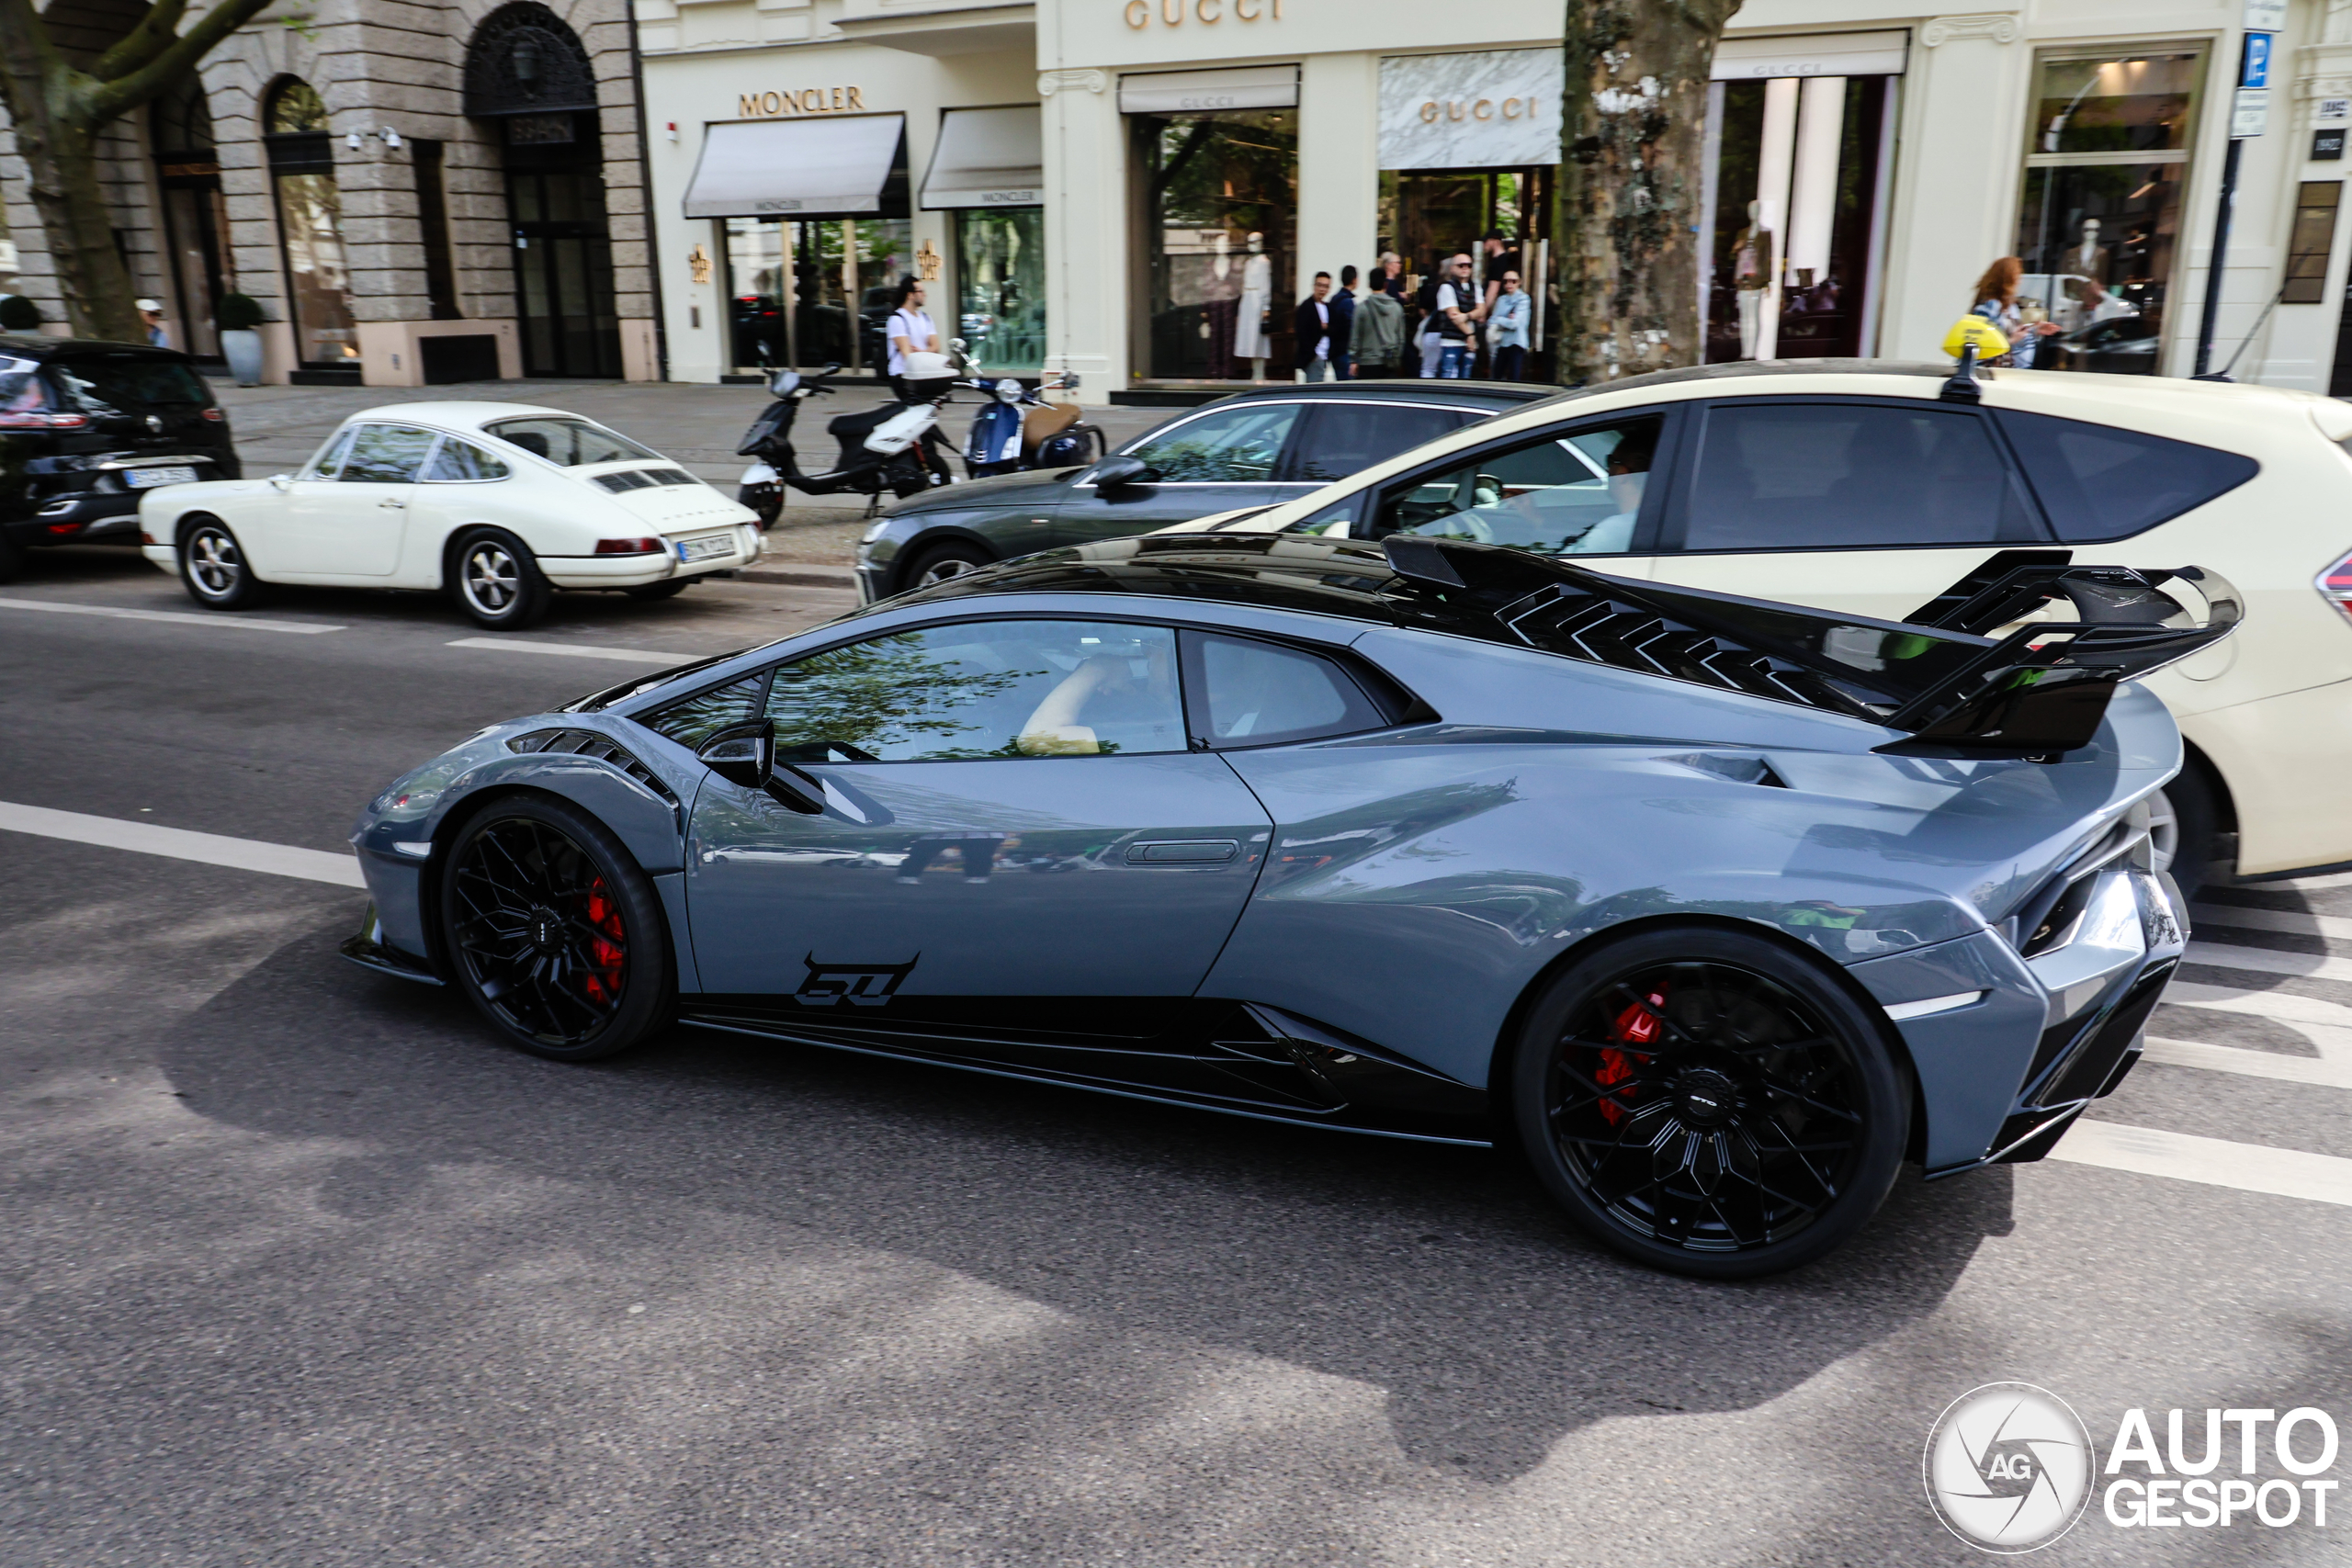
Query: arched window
[
  {"x": 527, "y": 77},
  {"x": 196, "y": 222},
  {"x": 310, "y": 225}
]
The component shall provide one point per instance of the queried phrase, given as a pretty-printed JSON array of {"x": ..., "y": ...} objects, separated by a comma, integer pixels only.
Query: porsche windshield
[{"x": 569, "y": 443}]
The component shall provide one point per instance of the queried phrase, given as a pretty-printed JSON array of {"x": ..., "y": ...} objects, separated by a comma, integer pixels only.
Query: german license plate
[
  {"x": 705, "y": 548},
  {"x": 148, "y": 478}
]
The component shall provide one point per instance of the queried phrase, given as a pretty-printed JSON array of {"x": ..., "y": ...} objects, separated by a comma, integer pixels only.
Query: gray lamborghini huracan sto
[{"x": 1718, "y": 910}]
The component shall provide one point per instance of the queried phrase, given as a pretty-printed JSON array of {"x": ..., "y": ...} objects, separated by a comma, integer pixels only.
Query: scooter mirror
[
  {"x": 957, "y": 343},
  {"x": 1069, "y": 380},
  {"x": 783, "y": 383}
]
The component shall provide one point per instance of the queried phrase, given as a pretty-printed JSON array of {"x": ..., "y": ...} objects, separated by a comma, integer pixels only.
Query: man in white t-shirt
[
  {"x": 1459, "y": 309},
  {"x": 910, "y": 332}
]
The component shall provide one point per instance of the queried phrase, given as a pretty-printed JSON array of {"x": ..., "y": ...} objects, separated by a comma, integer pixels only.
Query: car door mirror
[
  {"x": 1118, "y": 473},
  {"x": 745, "y": 756}
]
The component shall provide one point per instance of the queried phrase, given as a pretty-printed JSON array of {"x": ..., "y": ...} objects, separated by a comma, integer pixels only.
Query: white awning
[
  {"x": 820, "y": 167},
  {"x": 1812, "y": 54},
  {"x": 1190, "y": 92},
  {"x": 987, "y": 158}
]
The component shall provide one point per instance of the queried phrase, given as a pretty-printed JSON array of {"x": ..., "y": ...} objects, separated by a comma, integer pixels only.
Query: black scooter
[{"x": 887, "y": 450}]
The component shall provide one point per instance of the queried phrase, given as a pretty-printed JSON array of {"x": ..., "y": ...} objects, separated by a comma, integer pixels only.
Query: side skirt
[{"x": 1236, "y": 1058}]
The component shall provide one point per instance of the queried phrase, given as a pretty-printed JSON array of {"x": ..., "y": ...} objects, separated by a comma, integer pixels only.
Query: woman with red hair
[{"x": 1996, "y": 302}]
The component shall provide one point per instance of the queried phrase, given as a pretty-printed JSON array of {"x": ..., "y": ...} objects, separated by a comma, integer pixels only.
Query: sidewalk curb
[{"x": 809, "y": 576}]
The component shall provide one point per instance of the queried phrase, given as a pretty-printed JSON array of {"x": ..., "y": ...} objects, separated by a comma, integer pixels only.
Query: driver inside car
[{"x": 1123, "y": 691}]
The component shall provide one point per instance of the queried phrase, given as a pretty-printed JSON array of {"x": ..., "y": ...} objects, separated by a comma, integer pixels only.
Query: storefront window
[
  {"x": 1220, "y": 194},
  {"x": 2099, "y": 224},
  {"x": 309, "y": 226},
  {"x": 788, "y": 287},
  {"x": 1000, "y": 288},
  {"x": 1793, "y": 170}
]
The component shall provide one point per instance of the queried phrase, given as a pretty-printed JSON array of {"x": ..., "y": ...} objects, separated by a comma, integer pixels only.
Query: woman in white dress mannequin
[{"x": 1249, "y": 326}]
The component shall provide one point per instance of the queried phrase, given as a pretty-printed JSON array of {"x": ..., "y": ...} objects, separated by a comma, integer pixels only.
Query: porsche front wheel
[
  {"x": 1708, "y": 1103},
  {"x": 553, "y": 932},
  {"x": 498, "y": 582},
  {"x": 213, "y": 568}
]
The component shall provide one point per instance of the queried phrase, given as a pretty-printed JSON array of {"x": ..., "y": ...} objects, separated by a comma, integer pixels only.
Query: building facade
[
  {"x": 1140, "y": 190},
  {"x": 415, "y": 191}
]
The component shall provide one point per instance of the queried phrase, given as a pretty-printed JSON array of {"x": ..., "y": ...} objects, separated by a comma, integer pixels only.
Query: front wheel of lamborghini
[
  {"x": 553, "y": 932},
  {"x": 1709, "y": 1102}
]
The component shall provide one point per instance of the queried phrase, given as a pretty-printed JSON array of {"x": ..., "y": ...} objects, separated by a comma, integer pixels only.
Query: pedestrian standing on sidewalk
[
  {"x": 1311, "y": 332},
  {"x": 1378, "y": 337},
  {"x": 1996, "y": 302},
  {"x": 1455, "y": 317},
  {"x": 910, "y": 332},
  {"x": 1343, "y": 326},
  {"x": 1507, "y": 329}
]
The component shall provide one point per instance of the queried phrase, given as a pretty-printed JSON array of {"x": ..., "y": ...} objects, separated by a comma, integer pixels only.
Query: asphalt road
[{"x": 297, "y": 1266}]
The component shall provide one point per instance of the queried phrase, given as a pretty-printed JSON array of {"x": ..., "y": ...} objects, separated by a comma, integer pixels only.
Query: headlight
[{"x": 879, "y": 528}]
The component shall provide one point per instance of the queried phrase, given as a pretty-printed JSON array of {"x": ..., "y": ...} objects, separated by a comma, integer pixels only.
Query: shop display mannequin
[
  {"x": 2087, "y": 259},
  {"x": 1257, "y": 288},
  {"x": 1752, "y": 272}
]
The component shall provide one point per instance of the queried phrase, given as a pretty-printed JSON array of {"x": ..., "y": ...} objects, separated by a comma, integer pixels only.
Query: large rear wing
[{"x": 2036, "y": 691}]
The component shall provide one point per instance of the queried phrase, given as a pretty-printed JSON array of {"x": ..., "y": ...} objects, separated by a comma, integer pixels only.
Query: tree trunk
[
  {"x": 62, "y": 157},
  {"x": 1633, "y": 128}
]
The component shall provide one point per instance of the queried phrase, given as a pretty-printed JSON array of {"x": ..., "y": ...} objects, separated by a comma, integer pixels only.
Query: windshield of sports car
[
  {"x": 569, "y": 443},
  {"x": 126, "y": 383}
]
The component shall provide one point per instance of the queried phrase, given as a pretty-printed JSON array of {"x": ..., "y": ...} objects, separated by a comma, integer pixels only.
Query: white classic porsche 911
[{"x": 498, "y": 502}]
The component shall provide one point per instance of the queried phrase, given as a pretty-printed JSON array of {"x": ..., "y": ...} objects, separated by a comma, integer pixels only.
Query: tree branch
[
  {"x": 180, "y": 58},
  {"x": 143, "y": 42}
]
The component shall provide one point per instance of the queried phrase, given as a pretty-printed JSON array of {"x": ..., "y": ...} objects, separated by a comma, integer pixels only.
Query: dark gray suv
[{"x": 1255, "y": 448}]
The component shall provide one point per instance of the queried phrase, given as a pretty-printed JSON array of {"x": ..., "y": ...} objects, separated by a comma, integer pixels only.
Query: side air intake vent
[
  {"x": 588, "y": 743},
  {"x": 645, "y": 479}
]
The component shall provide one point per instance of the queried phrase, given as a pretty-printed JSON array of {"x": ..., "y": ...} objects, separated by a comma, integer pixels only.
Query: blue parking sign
[{"x": 2257, "y": 61}]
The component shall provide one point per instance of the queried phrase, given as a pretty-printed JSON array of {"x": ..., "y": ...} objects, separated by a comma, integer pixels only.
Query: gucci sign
[
  {"x": 1140, "y": 13},
  {"x": 1483, "y": 109},
  {"x": 1493, "y": 109}
]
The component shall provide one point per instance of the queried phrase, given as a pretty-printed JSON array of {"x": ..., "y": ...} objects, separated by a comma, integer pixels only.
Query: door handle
[
  {"x": 1182, "y": 852},
  {"x": 391, "y": 501}
]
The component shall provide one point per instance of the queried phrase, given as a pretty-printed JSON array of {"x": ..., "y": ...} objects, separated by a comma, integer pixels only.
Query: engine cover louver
[{"x": 588, "y": 743}]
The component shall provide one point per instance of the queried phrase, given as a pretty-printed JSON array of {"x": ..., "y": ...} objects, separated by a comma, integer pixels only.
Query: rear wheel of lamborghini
[
  {"x": 1710, "y": 1103},
  {"x": 553, "y": 932}
]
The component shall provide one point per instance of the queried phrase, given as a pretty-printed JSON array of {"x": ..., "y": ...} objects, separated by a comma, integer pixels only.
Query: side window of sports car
[
  {"x": 386, "y": 453},
  {"x": 458, "y": 462},
  {"x": 981, "y": 689},
  {"x": 1247, "y": 693},
  {"x": 1775, "y": 476},
  {"x": 1577, "y": 494},
  {"x": 331, "y": 456}
]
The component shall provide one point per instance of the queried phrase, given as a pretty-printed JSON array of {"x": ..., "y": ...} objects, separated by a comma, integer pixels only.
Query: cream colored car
[{"x": 1876, "y": 487}]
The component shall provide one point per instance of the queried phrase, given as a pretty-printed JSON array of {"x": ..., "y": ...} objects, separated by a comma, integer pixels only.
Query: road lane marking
[
  {"x": 2327, "y": 1025},
  {"x": 2248, "y": 1064},
  {"x": 2264, "y": 961},
  {"x": 2215, "y": 1162},
  {"x": 2293, "y": 922},
  {"x": 180, "y": 843},
  {"x": 577, "y": 651},
  {"x": 184, "y": 617}
]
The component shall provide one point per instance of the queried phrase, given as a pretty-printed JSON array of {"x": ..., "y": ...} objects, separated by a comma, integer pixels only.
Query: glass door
[
  {"x": 1000, "y": 288},
  {"x": 563, "y": 249}
]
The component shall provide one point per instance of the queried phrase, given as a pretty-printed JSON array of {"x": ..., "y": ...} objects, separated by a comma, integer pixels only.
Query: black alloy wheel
[
  {"x": 213, "y": 568},
  {"x": 1709, "y": 1102},
  {"x": 497, "y": 582},
  {"x": 554, "y": 933},
  {"x": 954, "y": 558}
]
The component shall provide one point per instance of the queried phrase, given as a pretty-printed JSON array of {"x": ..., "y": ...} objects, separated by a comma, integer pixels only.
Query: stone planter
[{"x": 243, "y": 350}]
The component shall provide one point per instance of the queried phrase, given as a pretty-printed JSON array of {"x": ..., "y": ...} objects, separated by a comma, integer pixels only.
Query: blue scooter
[{"x": 1019, "y": 430}]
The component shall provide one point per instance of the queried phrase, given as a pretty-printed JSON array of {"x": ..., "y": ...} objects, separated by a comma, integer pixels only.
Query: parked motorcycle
[
  {"x": 1020, "y": 430},
  {"x": 891, "y": 449}
]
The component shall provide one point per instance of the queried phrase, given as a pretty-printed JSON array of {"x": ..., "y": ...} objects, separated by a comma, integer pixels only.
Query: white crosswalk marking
[
  {"x": 180, "y": 843},
  {"x": 185, "y": 617},
  {"x": 572, "y": 650},
  {"x": 2264, "y": 961},
  {"x": 2327, "y": 1025},
  {"x": 2249, "y": 1167},
  {"x": 2293, "y": 922},
  {"x": 2250, "y": 1063}
]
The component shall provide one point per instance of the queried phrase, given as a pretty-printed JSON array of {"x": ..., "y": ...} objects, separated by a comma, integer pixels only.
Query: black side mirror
[
  {"x": 1115, "y": 473},
  {"x": 745, "y": 756}
]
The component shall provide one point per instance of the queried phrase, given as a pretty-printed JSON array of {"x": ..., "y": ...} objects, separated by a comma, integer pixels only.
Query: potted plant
[
  {"x": 237, "y": 316},
  {"x": 19, "y": 314}
]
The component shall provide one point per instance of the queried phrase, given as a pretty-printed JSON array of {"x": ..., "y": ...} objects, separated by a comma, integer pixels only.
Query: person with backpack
[{"x": 1458, "y": 310}]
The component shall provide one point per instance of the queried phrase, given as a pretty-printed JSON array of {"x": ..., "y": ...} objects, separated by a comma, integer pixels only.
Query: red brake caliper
[
  {"x": 1637, "y": 1025},
  {"x": 604, "y": 982}
]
